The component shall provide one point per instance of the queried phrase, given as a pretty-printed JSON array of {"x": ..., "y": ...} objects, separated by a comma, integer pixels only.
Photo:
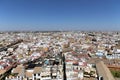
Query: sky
[{"x": 40, "y": 15}]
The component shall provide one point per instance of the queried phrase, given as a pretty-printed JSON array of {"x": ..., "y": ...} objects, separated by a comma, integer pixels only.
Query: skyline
[{"x": 25, "y": 15}]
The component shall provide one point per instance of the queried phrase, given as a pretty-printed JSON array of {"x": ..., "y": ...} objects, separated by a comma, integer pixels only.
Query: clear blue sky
[{"x": 59, "y": 15}]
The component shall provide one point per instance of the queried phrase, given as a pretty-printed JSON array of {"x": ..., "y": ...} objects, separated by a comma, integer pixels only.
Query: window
[
  {"x": 38, "y": 74},
  {"x": 34, "y": 74}
]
